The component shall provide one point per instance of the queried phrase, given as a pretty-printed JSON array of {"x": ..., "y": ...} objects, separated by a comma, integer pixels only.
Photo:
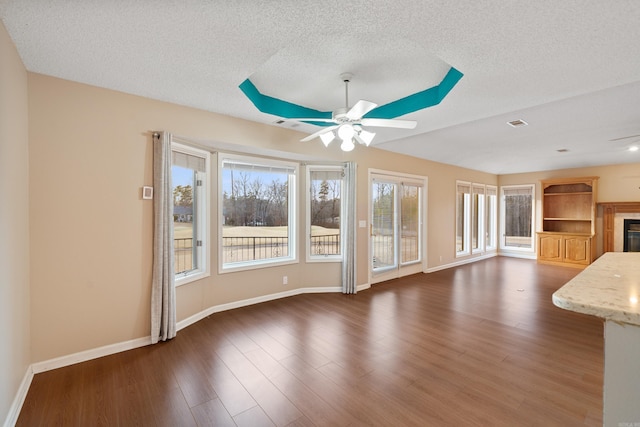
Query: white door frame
[{"x": 402, "y": 269}]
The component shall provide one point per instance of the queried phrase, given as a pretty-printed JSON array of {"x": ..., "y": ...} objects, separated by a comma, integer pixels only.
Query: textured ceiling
[{"x": 571, "y": 69}]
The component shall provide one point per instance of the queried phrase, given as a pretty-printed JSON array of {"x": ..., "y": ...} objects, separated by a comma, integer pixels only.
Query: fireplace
[
  {"x": 632, "y": 235},
  {"x": 612, "y": 213}
]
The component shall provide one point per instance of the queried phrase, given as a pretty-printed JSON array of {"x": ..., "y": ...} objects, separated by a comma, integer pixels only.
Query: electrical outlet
[
  {"x": 285, "y": 280},
  {"x": 440, "y": 258}
]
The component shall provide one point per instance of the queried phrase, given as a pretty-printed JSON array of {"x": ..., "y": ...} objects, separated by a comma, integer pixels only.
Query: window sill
[
  {"x": 233, "y": 268},
  {"x": 517, "y": 249},
  {"x": 183, "y": 280},
  {"x": 332, "y": 258}
]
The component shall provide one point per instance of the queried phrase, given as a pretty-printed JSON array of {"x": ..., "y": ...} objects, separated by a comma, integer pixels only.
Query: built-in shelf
[
  {"x": 567, "y": 219},
  {"x": 568, "y": 194},
  {"x": 568, "y": 226}
]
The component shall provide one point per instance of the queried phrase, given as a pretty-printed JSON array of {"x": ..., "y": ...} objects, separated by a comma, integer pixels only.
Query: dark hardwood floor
[{"x": 477, "y": 345}]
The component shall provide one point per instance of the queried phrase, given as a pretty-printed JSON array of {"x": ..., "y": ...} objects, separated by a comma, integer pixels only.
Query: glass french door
[{"x": 396, "y": 227}]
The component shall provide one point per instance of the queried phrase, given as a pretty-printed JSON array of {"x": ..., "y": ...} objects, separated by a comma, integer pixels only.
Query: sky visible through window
[
  {"x": 181, "y": 176},
  {"x": 184, "y": 176}
]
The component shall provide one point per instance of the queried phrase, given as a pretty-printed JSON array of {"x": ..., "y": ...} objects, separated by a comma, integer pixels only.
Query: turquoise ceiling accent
[
  {"x": 270, "y": 105},
  {"x": 417, "y": 101}
]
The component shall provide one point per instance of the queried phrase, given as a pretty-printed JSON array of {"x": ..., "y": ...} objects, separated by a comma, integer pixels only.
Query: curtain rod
[{"x": 232, "y": 151}]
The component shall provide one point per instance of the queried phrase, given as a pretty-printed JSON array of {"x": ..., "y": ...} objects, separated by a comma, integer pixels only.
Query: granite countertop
[{"x": 609, "y": 288}]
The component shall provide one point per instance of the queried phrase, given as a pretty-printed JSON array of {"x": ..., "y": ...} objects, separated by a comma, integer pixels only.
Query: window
[
  {"x": 257, "y": 212},
  {"x": 477, "y": 218},
  {"x": 410, "y": 214},
  {"x": 190, "y": 212},
  {"x": 491, "y": 216},
  {"x": 396, "y": 222},
  {"x": 463, "y": 213},
  {"x": 324, "y": 213},
  {"x": 517, "y": 217}
]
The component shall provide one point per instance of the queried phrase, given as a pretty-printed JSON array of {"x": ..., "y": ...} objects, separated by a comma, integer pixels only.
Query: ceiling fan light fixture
[
  {"x": 348, "y": 121},
  {"x": 346, "y": 132},
  {"x": 327, "y": 137},
  {"x": 347, "y": 145},
  {"x": 366, "y": 136}
]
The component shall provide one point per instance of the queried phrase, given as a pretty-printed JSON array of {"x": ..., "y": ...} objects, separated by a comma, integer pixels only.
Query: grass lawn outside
[{"x": 244, "y": 243}]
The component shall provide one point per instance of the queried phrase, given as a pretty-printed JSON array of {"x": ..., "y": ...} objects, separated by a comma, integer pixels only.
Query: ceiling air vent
[
  {"x": 562, "y": 150},
  {"x": 517, "y": 123}
]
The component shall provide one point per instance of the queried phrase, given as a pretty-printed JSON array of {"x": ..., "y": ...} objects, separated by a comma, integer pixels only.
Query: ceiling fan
[{"x": 348, "y": 122}]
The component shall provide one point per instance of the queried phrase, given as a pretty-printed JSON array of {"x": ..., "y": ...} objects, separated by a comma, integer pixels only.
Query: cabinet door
[
  {"x": 550, "y": 248},
  {"x": 577, "y": 249}
]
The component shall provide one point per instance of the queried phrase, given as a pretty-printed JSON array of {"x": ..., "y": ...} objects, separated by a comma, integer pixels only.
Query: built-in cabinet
[{"x": 568, "y": 221}]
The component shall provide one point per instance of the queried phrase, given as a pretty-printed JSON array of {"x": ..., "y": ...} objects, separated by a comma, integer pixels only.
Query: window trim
[
  {"x": 466, "y": 219},
  {"x": 480, "y": 190},
  {"x": 491, "y": 221},
  {"x": 310, "y": 257},
  {"x": 203, "y": 214},
  {"x": 400, "y": 179},
  {"x": 501, "y": 236},
  {"x": 421, "y": 195},
  {"x": 292, "y": 241}
]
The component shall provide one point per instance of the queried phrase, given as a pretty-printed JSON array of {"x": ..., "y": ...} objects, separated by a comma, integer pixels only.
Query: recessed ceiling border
[{"x": 409, "y": 104}]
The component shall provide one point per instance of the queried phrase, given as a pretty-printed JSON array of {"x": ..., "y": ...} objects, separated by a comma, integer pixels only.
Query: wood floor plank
[
  {"x": 254, "y": 417},
  {"x": 212, "y": 414},
  {"x": 317, "y": 411},
  {"x": 233, "y": 395},
  {"x": 477, "y": 345}
]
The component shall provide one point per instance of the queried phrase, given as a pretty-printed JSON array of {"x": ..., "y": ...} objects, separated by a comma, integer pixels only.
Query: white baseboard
[
  {"x": 524, "y": 255},
  {"x": 110, "y": 349},
  {"x": 86, "y": 355},
  {"x": 243, "y": 303},
  {"x": 362, "y": 287},
  {"x": 461, "y": 262},
  {"x": 107, "y": 350},
  {"x": 18, "y": 401}
]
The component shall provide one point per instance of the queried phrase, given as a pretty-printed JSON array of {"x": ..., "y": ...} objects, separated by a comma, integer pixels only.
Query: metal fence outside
[{"x": 239, "y": 249}]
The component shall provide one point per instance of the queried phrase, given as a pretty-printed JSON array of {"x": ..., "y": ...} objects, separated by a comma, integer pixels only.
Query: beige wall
[
  {"x": 91, "y": 231},
  {"x": 90, "y": 153},
  {"x": 619, "y": 183},
  {"x": 15, "y": 354}
]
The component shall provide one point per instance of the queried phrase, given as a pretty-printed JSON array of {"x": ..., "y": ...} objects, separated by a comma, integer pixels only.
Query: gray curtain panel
[
  {"x": 348, "y": 232},
  {"x": 163, "y": 292}
]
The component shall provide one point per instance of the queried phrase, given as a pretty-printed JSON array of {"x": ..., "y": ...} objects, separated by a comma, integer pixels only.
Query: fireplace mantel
[{"x": 610, "y": 209}]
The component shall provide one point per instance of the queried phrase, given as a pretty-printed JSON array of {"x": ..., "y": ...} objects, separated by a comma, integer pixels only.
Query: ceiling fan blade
[
  {"x": 310, "y": 120},
  {"x": 361, "y": 108},
  {"x": 390, "y": 123},
  {"x": 320, "y": 132}
]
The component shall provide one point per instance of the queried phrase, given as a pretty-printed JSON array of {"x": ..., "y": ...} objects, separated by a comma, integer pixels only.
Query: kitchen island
[{"x": 610, "y": 289}]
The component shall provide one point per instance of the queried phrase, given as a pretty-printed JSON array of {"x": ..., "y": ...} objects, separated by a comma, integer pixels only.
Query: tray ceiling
[{"x": 567, "y": 68}]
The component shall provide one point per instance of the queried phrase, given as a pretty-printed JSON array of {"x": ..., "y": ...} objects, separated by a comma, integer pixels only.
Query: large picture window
[
  {"x": 324, "y": 212},
  {"x": 257, "y": 212},
  {"x": 189, "y": 175},
  {"x": 517, "y": 217}
]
